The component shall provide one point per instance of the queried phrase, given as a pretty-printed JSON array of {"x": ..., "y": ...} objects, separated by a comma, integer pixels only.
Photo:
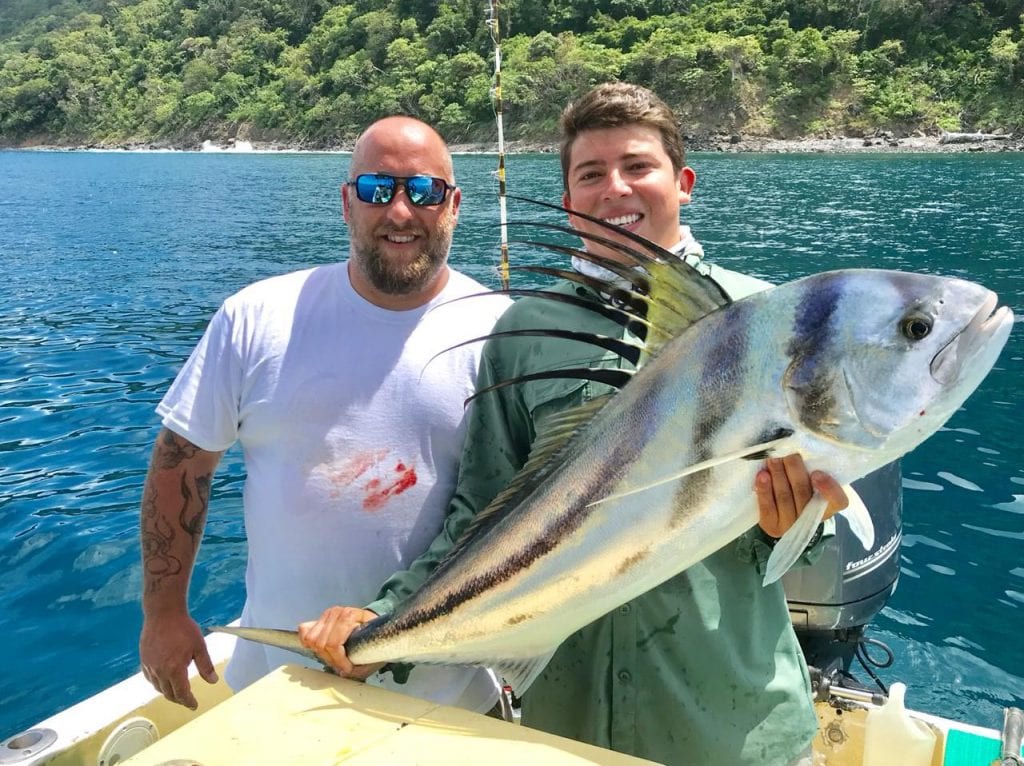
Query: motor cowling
[{"x": 832, "y": 601}]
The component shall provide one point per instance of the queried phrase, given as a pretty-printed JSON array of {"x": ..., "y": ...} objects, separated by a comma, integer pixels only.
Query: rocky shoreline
[{"x": 882, "y": 142}]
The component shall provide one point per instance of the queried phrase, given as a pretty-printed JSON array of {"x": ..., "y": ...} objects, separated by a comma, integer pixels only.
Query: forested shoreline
[{"x": 312, "y": 73}]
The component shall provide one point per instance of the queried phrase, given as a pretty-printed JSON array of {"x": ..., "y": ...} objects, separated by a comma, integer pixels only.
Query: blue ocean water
[{"x": 113, "y": 263}]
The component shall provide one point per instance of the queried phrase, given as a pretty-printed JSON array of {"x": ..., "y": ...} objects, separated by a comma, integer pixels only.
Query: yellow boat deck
[{"x": 302, "y": 716}]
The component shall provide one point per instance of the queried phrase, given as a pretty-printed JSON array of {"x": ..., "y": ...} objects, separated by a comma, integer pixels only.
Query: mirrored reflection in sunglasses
[{"x": 379, "y": 188}]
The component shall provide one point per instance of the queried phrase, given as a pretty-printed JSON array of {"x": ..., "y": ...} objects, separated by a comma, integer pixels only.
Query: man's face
[
  {"x": 400, "y": 248},
  {"x": 624, "y": 176}
]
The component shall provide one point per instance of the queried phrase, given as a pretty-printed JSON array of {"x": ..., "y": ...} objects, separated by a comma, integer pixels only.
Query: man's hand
[
  {"x": 327, "y": 636},
  {"x": 167, "y": 646},
  {"x": 784, "y": 487}
]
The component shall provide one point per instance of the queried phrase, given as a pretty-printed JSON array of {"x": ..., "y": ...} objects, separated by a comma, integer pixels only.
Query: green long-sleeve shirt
[{"x": 703, "y": 669}]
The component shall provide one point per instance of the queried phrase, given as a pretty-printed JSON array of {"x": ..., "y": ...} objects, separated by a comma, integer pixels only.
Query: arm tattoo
[
  {"x": 193, "y": 514},
  {"x": 157, "y": 536},
  {"x": 173, "y": 451},
  {"x": 158, "y": 559}
]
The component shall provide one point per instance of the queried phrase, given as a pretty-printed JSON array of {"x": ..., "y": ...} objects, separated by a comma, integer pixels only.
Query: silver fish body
[{"x": 851, "y": 369}]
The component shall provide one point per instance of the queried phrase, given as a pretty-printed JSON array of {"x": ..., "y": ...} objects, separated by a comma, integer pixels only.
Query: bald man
[{"x": 351, "y": 440}]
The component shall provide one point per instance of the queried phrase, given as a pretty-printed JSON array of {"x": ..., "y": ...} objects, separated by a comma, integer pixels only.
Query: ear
[
  {"x": 344, "y": 201},
  {"x": 567, "y": 203},
  {"x": 687, "y": 178},
  {"x": 456, "y": 201}
]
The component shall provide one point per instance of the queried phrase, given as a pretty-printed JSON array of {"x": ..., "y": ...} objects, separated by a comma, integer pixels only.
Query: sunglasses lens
[
  {"x": 375, "y": 189},
  {"x": 425, "y": 190},
  {"x": 379, "y": 189}
]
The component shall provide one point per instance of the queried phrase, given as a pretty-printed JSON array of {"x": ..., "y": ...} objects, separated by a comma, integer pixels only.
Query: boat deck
[{"x": 298, "y": 715}]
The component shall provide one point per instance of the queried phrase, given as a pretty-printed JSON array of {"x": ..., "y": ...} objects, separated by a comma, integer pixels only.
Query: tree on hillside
[{"x": 319, "y": 70}]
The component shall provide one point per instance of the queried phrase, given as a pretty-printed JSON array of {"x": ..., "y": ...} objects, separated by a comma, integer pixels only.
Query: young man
[
  {"x": 705, "y": 668},
  {"x": 351, "y": 439}
]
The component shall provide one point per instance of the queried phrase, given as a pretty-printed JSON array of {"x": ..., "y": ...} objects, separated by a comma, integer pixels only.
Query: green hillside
[{"x": 312, "y": 72}]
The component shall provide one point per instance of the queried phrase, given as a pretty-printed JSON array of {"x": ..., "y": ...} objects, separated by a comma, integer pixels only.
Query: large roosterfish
[{"x": 852, "y": 369}]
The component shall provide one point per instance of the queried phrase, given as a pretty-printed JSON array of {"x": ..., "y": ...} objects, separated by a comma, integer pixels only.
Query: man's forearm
[{"x": 174, "y": 508}]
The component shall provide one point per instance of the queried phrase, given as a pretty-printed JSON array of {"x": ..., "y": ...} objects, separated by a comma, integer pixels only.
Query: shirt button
[
  {"x": 625, "y": 676},
  {"x": 624, "y": 609}
]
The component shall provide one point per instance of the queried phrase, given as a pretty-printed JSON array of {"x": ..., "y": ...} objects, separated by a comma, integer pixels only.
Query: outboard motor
[{"x": 832, "y": 602}]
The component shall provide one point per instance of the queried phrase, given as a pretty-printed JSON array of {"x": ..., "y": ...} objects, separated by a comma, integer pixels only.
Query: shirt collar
[{"x": 688, "y": 248}]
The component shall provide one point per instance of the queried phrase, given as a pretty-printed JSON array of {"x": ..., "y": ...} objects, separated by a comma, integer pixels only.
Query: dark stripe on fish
[
  {"x": 724, "y": 363},
  {"x": 509, "y": 568},
  {"x": 811, "y": 374},
  {"x": 812, "y": 321}
]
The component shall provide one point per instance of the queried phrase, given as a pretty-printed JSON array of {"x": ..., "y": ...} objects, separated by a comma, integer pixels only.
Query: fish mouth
[{"x": 951, "y": 359}]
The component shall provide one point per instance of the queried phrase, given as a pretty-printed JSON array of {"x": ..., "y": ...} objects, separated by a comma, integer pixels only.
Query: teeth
[
  {"x": 623, "y": 220},
  {"x": 400, "y": 238}
]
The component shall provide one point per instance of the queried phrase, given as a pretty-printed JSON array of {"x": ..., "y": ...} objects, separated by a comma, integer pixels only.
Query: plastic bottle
[{"x": 892, "y": 737}]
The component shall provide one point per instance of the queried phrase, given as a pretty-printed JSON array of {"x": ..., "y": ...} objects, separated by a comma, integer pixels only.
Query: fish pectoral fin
[
  {"x": 858, "y": 517},
  {"x": 753, "y": 451},
  {"x": 520, "y": 674},
  {"x": 792, "y": 544}
]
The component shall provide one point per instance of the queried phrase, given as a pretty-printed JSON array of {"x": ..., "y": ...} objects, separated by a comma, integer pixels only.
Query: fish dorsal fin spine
[
  {"x": 625, "y": 296},
  {"x": 626, "y": 349},
  {"x": 662, "y": 290},
  {"x": 658, "y": 294},
  {"x": 632, "y": 321},
  {"x": 609, "y": 376}
]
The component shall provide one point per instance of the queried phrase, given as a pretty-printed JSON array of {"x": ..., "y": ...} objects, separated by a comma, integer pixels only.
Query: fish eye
[{"x": 916, "y": 326}]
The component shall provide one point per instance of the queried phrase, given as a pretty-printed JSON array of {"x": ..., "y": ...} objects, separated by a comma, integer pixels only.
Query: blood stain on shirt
[
  {"x": 357, "y": 465},
  {"x": 377, "y": 496}
]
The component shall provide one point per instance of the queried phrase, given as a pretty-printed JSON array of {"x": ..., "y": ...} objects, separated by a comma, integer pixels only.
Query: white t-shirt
[{"x": 351, "y": 432}]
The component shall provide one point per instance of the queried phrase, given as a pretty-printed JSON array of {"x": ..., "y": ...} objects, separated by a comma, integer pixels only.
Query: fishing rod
[{"x": 493, "y": 25}]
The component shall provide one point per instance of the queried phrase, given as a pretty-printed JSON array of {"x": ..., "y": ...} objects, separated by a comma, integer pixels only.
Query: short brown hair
[{"x": 612, "y": 105}]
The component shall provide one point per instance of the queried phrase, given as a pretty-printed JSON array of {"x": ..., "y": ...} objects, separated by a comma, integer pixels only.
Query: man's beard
[{"x": 393, "y": 278}]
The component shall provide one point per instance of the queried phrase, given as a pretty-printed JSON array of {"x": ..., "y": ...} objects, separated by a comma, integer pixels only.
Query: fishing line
[{"x": 493, "y": 26}]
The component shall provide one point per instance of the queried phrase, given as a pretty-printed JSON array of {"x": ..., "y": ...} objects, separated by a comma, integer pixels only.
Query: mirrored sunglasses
[{"x": 379, "y": 188}]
